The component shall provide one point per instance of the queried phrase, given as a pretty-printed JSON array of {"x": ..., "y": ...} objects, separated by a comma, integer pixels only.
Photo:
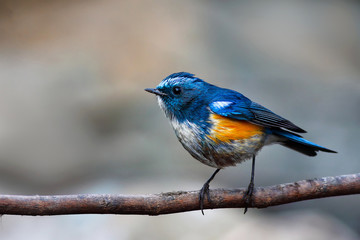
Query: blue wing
[{"x": 239, "y": 107}]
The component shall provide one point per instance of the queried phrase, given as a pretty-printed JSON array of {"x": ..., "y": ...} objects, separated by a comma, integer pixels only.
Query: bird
[{"x": 221, "y": 127}]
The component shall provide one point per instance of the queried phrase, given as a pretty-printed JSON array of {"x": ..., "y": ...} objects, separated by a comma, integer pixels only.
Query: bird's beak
[{"x": 155, "y": 91}]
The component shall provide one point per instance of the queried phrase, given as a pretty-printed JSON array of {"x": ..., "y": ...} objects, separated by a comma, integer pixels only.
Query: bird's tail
[{"x": 299, "y": 144}]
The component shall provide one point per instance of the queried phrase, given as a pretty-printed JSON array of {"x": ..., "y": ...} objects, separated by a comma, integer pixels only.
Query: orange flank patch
[{"x": 226, "y": 129}]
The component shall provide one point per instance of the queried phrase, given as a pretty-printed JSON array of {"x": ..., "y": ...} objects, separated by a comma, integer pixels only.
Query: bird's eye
[{"x": 177, "y": 90}]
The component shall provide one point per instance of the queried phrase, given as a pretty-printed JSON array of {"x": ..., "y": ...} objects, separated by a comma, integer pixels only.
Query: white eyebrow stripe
[{"x": 221, "y": 104}]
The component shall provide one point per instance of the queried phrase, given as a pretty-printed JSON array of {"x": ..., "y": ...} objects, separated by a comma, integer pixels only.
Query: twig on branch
[{"x": 181, "y": 201}]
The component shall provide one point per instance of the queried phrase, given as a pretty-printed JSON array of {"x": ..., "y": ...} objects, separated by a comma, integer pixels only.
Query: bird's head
[{"x": 180, "y": 94}]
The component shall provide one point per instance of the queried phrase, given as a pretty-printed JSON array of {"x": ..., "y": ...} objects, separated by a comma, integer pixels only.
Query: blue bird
[{"x": 221, "y": 127}]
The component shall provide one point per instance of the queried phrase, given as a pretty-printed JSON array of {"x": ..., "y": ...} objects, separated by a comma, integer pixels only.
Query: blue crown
[{"x": 180, "y": 75}]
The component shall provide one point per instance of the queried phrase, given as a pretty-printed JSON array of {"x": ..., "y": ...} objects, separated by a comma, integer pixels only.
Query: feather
[{"x": 244, "y": 109}]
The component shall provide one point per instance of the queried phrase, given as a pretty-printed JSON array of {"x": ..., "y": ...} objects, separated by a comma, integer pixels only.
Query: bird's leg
[
  {"x": 250, "y": 189},
  {"x": 205, "y": 190}
]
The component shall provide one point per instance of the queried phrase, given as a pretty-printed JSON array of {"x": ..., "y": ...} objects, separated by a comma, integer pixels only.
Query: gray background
[{"x": 74, "y": 117}]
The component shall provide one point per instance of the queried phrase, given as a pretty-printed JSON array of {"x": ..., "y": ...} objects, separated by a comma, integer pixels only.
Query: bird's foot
[
  {"x": 248, "y": 196},
  {"x": 204, "y": 191}
]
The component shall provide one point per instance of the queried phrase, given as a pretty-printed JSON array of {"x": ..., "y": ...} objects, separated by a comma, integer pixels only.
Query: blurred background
[{"x": 74, "y": 117}]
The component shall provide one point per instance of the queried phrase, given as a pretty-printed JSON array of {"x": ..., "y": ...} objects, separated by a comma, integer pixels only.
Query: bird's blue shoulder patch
[
  {"x": 219, "y": 106},
  {"x": 228, "y": 108}
]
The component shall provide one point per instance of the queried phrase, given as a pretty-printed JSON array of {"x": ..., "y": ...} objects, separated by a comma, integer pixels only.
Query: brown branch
[{"x": 182, "y": 201}]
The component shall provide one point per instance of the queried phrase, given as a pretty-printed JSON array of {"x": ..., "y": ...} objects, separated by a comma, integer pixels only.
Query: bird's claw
[
  {"x": 204, "y": 191},
  {"x": 248, "y": 196}
]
